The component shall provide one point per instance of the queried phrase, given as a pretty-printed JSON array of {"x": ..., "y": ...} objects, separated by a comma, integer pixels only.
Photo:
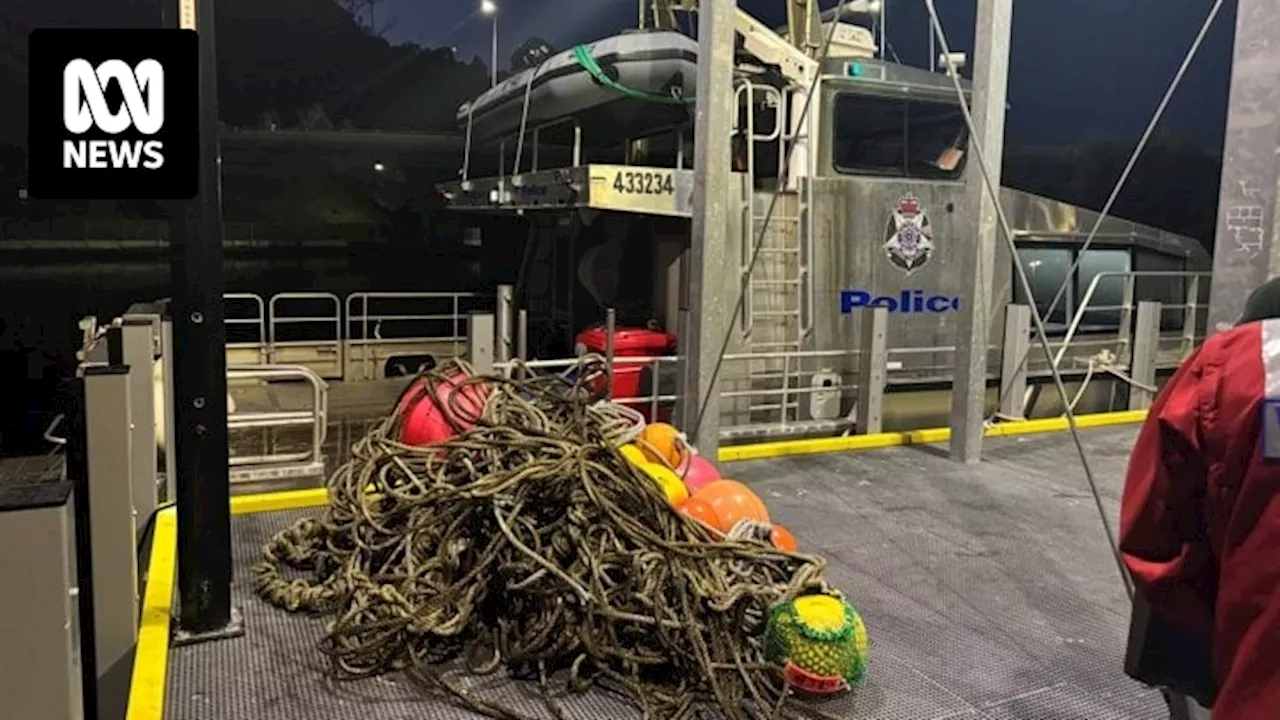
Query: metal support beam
[
  {"x": 112, "y": 538},
  {"x": 873, "y": 367},
  {"x": 170, "y": 433},
  {"x": 480, "y": 336},
  {"x": 505, "y": 318},
  {"x": 138, "y": 352},
  {"x": 1013, "y": 372},
  {"x": 705, "y": 307},
  {"x": 1246, "y": 253},
  {"x": 522, "y": 334},
  {"x": 200, "y": 373},
  {"x": 973, "y": 328},
  {"x": 1146, "y": 341}
]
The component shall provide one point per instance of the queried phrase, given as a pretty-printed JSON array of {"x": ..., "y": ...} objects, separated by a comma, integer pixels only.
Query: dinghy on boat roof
[{"x": 630, "y": 82}]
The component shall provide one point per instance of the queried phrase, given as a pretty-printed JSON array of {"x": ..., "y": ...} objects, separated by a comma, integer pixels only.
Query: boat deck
[{"x": 988, "y": 591}]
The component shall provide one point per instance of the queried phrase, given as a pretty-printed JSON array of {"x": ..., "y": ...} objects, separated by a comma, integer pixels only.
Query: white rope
[{"x": 1107, "y": 362}]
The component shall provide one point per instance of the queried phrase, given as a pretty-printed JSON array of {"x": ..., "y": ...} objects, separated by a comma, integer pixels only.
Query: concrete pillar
[
  {"x": 973, "y": 326},
  {"x": 1245, "y": 253}
]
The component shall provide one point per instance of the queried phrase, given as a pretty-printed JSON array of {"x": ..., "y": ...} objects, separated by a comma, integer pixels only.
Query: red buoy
[{"x": 426, "y": 422}]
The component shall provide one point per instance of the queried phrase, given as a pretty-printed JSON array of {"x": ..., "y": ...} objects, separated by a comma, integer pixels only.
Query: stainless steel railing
[{"x": 316, "y": 416}]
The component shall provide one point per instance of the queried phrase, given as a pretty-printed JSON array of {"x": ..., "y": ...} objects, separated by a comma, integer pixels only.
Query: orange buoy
[
  {"x": 783, "y": 539},
  {"x": 662, "y": 442},
  {"x": 731, "y": 501},
  {"x": 700, "y": 510}
]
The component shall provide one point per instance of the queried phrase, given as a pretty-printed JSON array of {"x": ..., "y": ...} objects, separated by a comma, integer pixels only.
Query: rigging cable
[
  {"x": 1115, "y": 192},
  {"x": 1007, "y": 231},
  {"x": 784, "y": 170}
]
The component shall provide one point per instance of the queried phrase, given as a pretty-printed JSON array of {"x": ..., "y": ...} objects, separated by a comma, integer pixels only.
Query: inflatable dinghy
[{"x": 623, "y": 86}]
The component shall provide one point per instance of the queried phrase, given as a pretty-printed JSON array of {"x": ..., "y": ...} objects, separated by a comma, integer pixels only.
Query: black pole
[{"x": 200, "y": 375}]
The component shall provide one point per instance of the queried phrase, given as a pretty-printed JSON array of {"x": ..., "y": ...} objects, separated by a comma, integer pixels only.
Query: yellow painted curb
[
  {"x": 279, "y": 501},
  {"x": 151, "y": 660},
  {"x": 791, "y": 448}
]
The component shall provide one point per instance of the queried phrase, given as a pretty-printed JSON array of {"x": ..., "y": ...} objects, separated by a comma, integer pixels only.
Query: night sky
[{"x": 1080, "y": 70}]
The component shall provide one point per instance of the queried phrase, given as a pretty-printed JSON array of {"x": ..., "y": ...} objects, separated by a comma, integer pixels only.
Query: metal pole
[
  {"x": 705, "y": 303},
  {"x": 610, "y": 327},
  {"x": 200, "y": 376},
  {"x": 494, "y": 52},
  {"x": 1245, "y": 253},
  {"x": 505, "y": 318},
  {"x": 973, "y": 329}
]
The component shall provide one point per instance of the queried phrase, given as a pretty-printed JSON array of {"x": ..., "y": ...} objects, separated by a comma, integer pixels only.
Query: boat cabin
[{"x": 872, "y": 215}]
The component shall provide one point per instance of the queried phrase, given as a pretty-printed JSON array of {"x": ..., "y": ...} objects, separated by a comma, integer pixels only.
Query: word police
[
  {"x": 85, "y": 108},
  {"x": 908, "y": 301}
]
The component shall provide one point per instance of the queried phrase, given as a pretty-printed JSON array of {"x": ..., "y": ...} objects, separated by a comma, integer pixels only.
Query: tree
[
  {"x": 365, "y": 13},
  {"x": 315, "y": 118}
]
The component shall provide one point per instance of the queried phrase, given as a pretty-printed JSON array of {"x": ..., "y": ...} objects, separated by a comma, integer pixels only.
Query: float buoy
[
  {"x": 667, "y": 481},
  {"x": 662, "y": 442},
  {"x": 429, "y": 421},
  {"x": 783, "y": 539},
  {"x": 730, "y": 502},
  {"x": 697, "y": 472}
]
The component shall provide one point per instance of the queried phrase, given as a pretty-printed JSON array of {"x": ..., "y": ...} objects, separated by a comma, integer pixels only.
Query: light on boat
[{"x": 488, "y": 7}]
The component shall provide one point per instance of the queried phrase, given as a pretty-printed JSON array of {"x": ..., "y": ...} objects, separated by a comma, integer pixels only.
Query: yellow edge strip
[
  {"x": 279, "y": 501},
  {"x": 150, "y": 665},
  {"x": 151, "y": 661},
  {"x": 790, "y": 448}
]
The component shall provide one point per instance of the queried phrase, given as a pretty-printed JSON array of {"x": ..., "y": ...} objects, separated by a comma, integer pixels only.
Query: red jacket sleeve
[{"x": 1162, "y": 541}]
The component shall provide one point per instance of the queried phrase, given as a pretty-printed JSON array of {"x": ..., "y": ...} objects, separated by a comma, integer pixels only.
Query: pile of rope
[{"x": 528, "y": 542}]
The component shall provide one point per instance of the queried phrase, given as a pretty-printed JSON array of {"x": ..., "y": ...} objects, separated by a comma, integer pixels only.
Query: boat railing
[
  {"x": 274, "y": 462},
  {"x": 1191, "y": 309},
  {"x": 352, "y": 338},
  {"x": 785, "y": 399}
]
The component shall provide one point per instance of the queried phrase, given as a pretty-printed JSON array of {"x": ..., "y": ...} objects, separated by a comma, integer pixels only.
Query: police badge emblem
[{"x": 909, "y": 235}]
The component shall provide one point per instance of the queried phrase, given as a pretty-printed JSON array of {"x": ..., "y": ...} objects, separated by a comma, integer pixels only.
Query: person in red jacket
[{"x": 1200, "y": 515}]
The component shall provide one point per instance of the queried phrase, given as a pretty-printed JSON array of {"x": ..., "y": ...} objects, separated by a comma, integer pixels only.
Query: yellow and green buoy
[{"x": 820, "y": 641}]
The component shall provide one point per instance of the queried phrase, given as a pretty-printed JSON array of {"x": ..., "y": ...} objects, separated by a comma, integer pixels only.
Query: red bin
[{"x": 627, "y": 377}]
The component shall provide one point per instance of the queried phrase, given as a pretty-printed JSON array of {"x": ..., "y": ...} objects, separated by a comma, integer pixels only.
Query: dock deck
[{"x": 989, "y": 593}]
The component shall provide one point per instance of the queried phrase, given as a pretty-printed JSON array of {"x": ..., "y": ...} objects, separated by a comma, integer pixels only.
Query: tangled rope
[{"x": 529, "y": 542}]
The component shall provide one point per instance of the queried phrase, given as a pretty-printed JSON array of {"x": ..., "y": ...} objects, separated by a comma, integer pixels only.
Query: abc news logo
[
  {"x": 114, "y": 114},
  {"x": 84, "y": 107}
]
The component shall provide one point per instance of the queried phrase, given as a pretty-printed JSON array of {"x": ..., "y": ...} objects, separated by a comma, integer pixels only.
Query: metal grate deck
[{"x": 989, "y": 594}]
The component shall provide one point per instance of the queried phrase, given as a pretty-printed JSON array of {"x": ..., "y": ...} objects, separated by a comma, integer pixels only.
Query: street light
[{"x": 490, "y": 8}]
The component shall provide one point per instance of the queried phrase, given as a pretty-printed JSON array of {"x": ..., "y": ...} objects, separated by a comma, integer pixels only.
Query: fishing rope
[
  {"x": 783, "y": 171},
  {"x": 1115, "y": 191},
  {"x": 993, "y": 193},
  {"x": 528, "y": 543}
]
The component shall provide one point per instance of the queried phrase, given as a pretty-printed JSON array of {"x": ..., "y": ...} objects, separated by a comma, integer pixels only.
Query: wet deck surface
[{"x": 989, "y": 594}]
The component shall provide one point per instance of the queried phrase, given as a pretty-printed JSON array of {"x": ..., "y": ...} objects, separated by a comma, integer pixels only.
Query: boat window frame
[
  {"x": 905, "y": 101},
  {"x": 1070, "y": 298}
]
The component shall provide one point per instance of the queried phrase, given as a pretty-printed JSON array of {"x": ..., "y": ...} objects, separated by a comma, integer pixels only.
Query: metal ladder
[{"x": 776, "y": 318}]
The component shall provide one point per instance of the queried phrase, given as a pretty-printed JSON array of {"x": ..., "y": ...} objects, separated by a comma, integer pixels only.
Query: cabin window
[
  {"x": 1171, "y": 292},
  {"x": 897, "y": 137},
  {"x": 1047, "y": 269},
  {"x": 1108, "y": 295}
]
